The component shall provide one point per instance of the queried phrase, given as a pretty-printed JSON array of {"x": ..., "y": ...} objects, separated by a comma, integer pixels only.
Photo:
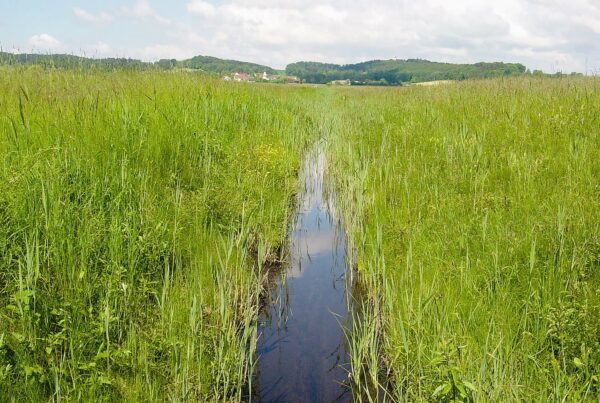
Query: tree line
[
  {"x": 202, "y": 63},
  {"x": 395, "y": 72}
]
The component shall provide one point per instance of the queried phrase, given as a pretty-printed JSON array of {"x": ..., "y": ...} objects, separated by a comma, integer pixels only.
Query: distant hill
[
  {"x": 69, "y": 61},
  {"x": 221, "y": 66},
  {"x": 392, "y": 72},
  {"x": 375, "y": 72},
  {"x": 207, "y": 64}
]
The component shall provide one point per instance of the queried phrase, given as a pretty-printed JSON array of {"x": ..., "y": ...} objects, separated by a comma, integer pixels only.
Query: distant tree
[
  {"x": 166, "y": 63},
  {"x": 396, "y": 72}
]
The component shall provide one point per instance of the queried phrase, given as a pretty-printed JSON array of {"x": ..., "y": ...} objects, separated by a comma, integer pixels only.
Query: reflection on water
[{"x": 301, "y": 342}]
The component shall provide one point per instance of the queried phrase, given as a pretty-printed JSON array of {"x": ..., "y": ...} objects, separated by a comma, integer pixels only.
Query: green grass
[
  {"x": 474, "y": 209},
  {"x": 136, "y": 209},
  {"x": 133, "y": 208}
]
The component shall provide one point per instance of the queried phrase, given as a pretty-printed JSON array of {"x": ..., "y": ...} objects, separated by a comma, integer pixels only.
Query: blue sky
[{"x": 552, "y": 35}]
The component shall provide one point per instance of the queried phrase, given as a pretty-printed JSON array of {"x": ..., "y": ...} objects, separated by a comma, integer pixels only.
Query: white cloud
[
  {"x": 45, "y": 42},
  {"x": 539, "y": 33},
  {"x": 86, "y": 16},
  {"x": 202, "y": 8},
  {"x": 142, "y": 10}
]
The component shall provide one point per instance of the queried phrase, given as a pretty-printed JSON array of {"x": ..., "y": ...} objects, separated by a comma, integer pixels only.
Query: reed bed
[
  {"x": 135, "y": 211},
  {"x": 474, "y": 211}
]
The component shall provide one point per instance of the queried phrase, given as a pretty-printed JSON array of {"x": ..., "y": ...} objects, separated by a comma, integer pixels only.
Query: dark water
[{"x": 301, "y": 343}]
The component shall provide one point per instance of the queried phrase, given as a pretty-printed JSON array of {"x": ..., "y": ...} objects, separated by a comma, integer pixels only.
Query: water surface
[{"x": 301, "y": 342}]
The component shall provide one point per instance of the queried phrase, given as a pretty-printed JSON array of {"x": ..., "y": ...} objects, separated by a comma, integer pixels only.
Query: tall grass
[
  {"x": 136, "y": 209},
  {"x": 474, "y": 209},
  {"x": 132, "y": 207}
]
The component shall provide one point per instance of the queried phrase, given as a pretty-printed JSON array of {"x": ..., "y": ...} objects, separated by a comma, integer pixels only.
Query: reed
[
  {"x": 473, "y": 209},
  {"x": 131, "y": 205},
  {"x": 137, "y": 208}
]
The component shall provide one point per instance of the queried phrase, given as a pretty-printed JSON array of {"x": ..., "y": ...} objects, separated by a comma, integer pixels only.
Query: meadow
[
  {"x": 135, "y": 208},
  {"x": 138, "y": 208},
  {"x": 474, "y": 212}
]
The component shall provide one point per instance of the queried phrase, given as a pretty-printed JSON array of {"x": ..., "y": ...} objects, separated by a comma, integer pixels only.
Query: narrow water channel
[{"x": 301, "y": 341}]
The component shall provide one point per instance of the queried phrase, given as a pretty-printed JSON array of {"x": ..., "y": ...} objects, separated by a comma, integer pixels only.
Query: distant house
[
  {"x": 263, "y": 76},
  {"x": 240, "y": 76},
  {"x": 243, "y": 77},
  {"x": 340, "y": 82}
]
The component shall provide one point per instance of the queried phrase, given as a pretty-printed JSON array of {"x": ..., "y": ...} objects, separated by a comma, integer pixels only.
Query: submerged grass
[
  {"x": 474, "y": 211},
  {"x": 132, "y": 210}
]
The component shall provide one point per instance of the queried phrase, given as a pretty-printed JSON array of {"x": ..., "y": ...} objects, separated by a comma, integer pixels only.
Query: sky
[{"x": 551, "y": 35}]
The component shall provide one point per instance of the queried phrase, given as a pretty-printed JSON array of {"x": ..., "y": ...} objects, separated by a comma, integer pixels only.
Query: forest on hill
[
  {"x": 393, "y": 72},
  {"x": 374, "y": 72},
  {"x": 64, "y": 61},
  {"x": 207, "y": 64},
  {"x": 214, "y": 65}
]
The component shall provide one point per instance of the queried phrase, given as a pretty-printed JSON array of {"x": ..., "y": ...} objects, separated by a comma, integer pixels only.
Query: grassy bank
[
  {"x": 134, "y": 208},
  {"x": 474, "y": 210}
]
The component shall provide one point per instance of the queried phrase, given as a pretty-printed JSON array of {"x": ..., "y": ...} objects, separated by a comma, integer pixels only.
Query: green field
[
  {"x": 474, "y": 209},
  {"x": 134, "y": 207},
  {"x": 137, "y": 209}
]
